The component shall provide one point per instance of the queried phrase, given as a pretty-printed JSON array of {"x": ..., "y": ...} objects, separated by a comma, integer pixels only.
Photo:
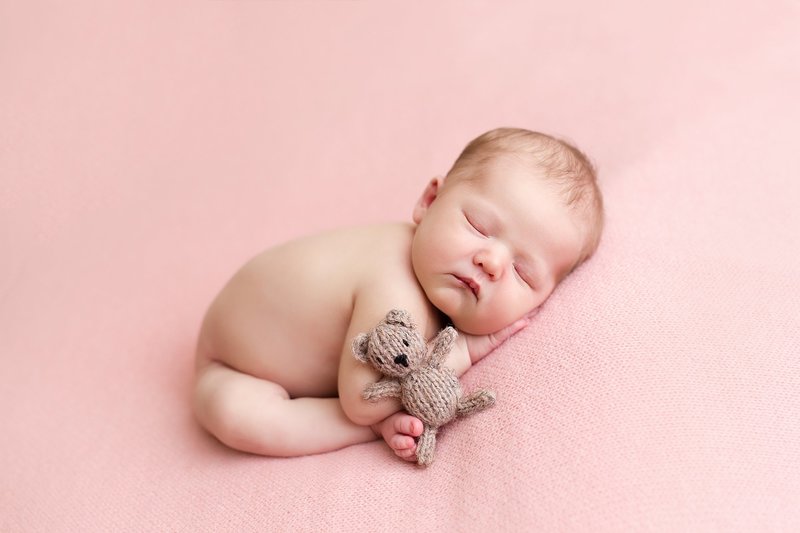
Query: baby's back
[{"x": 284, "y": 315}]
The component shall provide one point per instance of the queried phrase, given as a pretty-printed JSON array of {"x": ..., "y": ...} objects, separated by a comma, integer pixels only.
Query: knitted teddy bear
[{"x": 427, "y": 389}]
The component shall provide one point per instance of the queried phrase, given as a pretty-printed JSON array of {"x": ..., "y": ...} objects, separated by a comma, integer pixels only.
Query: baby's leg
[{"x": 257, "y": 416}]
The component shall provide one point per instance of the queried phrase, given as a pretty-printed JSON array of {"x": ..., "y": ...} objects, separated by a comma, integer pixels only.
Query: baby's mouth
[{"x": 470, "y": 284}]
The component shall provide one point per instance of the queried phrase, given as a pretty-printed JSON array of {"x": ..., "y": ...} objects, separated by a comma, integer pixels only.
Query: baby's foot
[{"x": 399, "y": 431}]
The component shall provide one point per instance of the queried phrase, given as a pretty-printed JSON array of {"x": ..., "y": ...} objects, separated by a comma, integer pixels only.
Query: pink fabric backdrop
[{"x": 147, "y": 150}]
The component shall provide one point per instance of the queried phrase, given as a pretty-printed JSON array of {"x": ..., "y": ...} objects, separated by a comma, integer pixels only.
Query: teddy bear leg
[
  {"x": 477, "y": 401},
  {"x": 426, "y": 445}
]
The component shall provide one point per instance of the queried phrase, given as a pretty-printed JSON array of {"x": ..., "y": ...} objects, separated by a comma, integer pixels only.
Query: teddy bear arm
[
  {"x": 387, "y": 388},
  {"x": 477, "y": 401},
  {"x": 442, "y": 345}
]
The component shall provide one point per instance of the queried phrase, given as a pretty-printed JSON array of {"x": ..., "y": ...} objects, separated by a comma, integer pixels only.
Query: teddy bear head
[{"x": 395, "y": 347}]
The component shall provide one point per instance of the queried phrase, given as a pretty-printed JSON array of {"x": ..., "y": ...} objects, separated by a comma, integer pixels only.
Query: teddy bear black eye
[{"x": 405, "y": 342}]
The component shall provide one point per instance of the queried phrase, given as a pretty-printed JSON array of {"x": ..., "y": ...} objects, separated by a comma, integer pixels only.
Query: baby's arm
[
  {"x": 355, "y": 376},
  {"x": 371, "y": 305},
  {"x": 384, "y": 416}
]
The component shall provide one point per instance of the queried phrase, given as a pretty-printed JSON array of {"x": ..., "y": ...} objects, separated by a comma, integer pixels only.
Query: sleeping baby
[{"x": 275, "y": 371}]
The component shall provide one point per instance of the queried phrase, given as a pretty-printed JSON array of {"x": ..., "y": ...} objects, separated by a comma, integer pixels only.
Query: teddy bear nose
[{"x": 401, "y": 360}]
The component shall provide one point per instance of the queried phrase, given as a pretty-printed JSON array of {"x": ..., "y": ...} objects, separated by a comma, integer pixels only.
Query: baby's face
[{"x": 487, "y": 251}]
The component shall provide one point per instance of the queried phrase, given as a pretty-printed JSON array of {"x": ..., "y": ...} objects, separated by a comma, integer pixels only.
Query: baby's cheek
[{"x": 448, "y": 301}]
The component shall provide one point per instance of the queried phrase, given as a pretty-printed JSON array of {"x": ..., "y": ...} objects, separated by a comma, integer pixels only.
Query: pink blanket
[{"x": 148, "y": 150}]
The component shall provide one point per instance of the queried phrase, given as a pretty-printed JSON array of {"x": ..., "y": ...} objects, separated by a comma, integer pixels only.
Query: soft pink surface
[{"x": 147, "y": 150}]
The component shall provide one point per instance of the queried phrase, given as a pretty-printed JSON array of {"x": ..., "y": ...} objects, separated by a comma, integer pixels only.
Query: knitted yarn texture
[{"x": 416, "y": 375}]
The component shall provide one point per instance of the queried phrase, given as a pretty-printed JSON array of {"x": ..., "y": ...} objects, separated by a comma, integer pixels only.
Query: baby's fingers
[
  {"x": 478, "y": 346},
  {"x": 499, "y": 337}
]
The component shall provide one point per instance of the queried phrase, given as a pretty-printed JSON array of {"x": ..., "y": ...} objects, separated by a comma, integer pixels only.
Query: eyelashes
[
  {"x": 523, "y": 277},
  {"x": 477, "y": 227}
]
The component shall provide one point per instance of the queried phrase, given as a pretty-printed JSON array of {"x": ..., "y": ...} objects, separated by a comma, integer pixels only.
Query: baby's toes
[
  {"x": 404, "y": 447},
  {"x": 408, "y": 455},
  {"x": 402, "y": 443},
  {"x": 409, "y": 425}
]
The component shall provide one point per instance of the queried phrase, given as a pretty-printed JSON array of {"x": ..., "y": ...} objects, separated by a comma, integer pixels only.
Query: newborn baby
[{"x": 275, "y": 372}]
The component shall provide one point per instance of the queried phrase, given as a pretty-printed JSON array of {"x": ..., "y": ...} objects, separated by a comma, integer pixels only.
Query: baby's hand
[
  {"x": 479, "y": 346},
  {"x": 399, "y": 431}
]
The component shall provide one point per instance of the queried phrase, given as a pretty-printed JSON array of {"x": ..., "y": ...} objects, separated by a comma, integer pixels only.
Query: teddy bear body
[
  {"x": 439, "y": 406},
  {"x": 427, "y": 389}
]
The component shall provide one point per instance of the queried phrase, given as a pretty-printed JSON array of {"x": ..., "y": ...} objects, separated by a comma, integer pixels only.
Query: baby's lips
[{"x": 473, "y": 285}]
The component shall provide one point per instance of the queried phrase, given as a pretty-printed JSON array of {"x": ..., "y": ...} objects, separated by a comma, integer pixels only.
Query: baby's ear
[
  {"x": 399, "y": 316},
  {"x": 430, "y": 194},
  {"x": 360, "y": 347}
]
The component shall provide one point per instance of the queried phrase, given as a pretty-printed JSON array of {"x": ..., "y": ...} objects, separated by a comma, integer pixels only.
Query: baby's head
[{"x": 516, "y": 214}]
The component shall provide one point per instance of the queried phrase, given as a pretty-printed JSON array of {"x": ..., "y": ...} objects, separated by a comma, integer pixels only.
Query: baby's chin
[
  {"x": 476, "y": 325},
  {"x": 449, "y": 302}
]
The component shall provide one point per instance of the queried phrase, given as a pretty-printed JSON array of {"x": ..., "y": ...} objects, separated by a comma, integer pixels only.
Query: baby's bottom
[{"x": 257, "y": 416}]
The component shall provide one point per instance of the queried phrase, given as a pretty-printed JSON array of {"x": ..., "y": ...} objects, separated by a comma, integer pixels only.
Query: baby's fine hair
[{"x": 556, "y": 159}]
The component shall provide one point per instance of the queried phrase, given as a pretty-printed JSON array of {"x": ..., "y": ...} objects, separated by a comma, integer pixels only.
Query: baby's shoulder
[
  {"x": 389, "y": 281},
  {"x": 353, "y": 244},
  {"x": 377, "y": 245},
  {"x": 391, "y": 237},
  {"x": 388, "y": 247}
]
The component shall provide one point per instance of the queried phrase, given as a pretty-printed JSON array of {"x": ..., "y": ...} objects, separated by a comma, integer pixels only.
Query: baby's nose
[
  {"x": 492, "y": 261},
  {"x": 401, "y": 360}
]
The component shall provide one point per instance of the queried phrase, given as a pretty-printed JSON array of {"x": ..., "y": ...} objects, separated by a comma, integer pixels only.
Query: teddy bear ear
[
  {"x": 399, "y": 316},
  {"x": 360, "y": 345}
]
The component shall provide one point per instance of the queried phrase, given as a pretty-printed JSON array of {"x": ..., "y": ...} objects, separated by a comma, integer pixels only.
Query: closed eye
[
  {"x": 523, "y": 275},
  {"x": 475, "y": 225}
]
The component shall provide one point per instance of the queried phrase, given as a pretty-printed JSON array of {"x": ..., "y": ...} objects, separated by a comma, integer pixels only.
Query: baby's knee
[
  {"x": 224, "y": 404},
  {"x": 211, "y": 402},
  {"x": 219, "y": 412},
  {"x": 217, "y": 406}
]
